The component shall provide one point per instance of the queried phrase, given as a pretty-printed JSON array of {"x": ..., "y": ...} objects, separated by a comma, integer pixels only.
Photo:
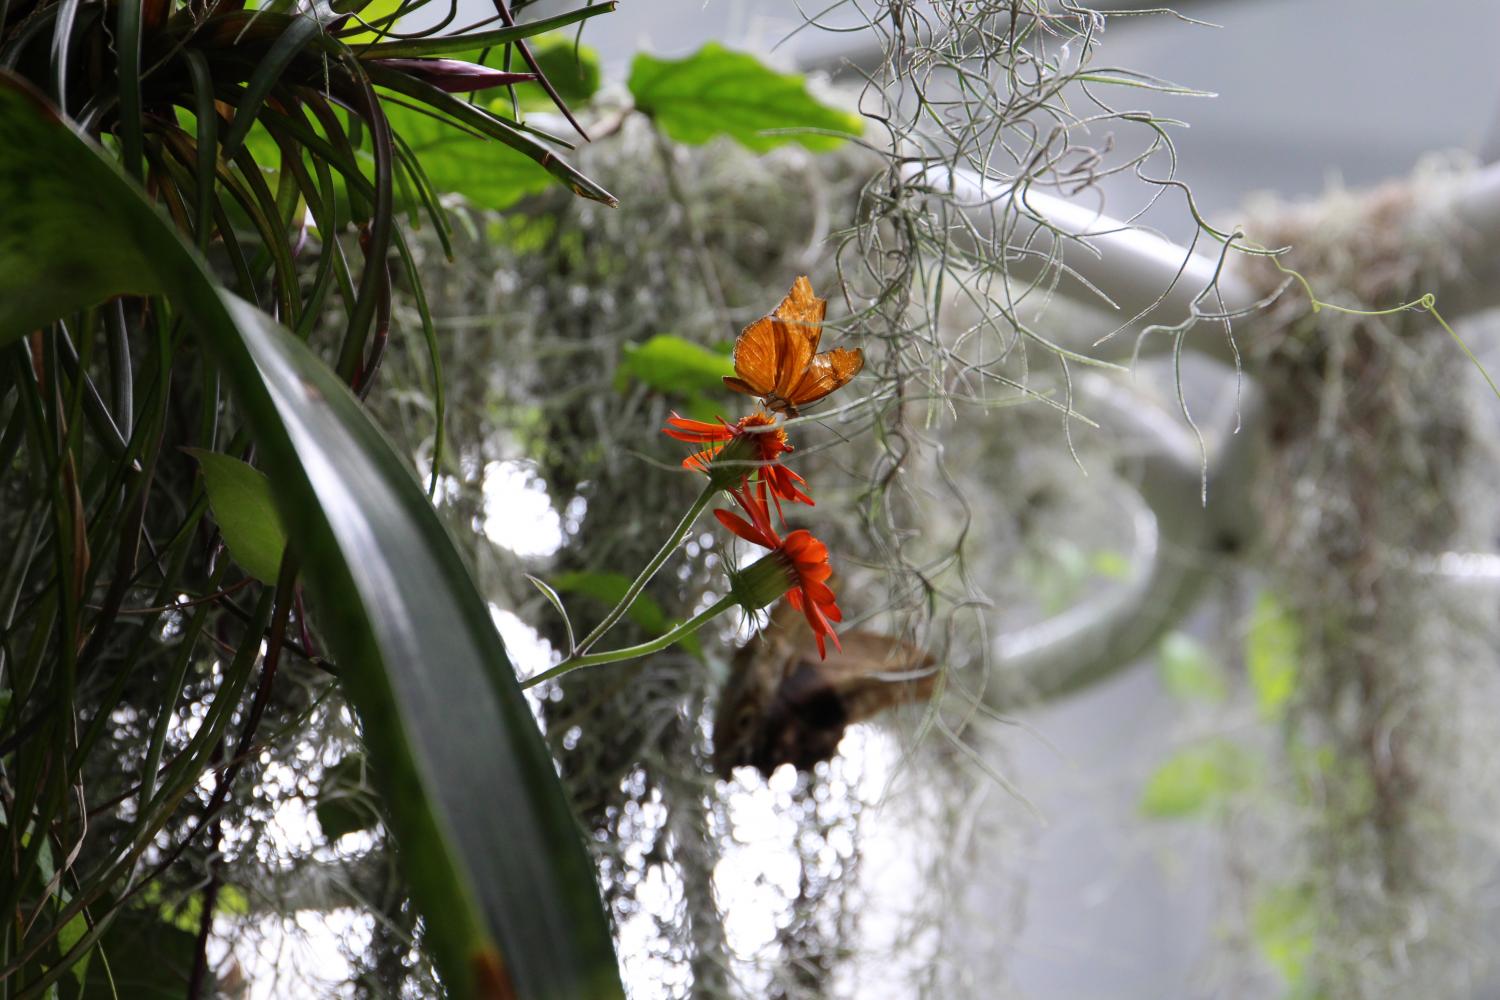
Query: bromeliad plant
[{"x": 199, "y": 237}]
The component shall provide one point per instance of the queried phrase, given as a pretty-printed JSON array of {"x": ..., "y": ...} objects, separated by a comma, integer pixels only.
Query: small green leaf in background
[
  {"x": 1111, "y": 564},
  {"x": 673, "y": 365},
  {"x": 1284, "y": 924},
  {"x": 571, "y": 67},
  {"x": 1272, "y": 652},
  {"x": 240, "y": 497},
  {"x": 719, "y": 92},
  {"x": 1188, "y": 670},
  {"x": 71, "y": 933},
  {"x": 609, "y": 589},
  {"x": 1197, "y": 779},
  {"x": 372, "y": 12},
  {"x": 346, "y": 802}
]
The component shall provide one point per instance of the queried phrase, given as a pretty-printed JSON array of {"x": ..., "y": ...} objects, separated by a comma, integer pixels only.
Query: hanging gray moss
[{"x": 1377, "y": 465}]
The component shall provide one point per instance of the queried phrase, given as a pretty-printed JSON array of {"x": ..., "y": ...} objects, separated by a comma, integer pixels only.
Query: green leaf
[
  {"x": 1188, "y": 670},
  {"x": 1197, "y": 779},
  {"x": 1110, "y": 564},
  {"x": 609, "y": 589},
  {"x": 717, "y": 92},
  {"x": 485, "y": 172},
  {"x": 147, "y": 958},
  {"x": 374, "y": 12},
  {"x": 71, "y": 933},
  {"x": 344, "y": 801},
  {"x": 240, "y": 497},
  {"x": 1284, "y": 924},
  {"x": 570, "y": 66},
  {"x": 491, "y": 851},
  {"x": 1273, "y": 652},
  {"x": 675, "y": 366},
  {"x": 451, "y": 45}
]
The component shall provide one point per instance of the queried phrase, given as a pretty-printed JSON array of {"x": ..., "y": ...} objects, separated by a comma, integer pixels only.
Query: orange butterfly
[{"x": 777, "y": 358}]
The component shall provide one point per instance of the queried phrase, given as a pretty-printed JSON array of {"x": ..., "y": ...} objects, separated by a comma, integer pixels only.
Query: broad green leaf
[
  {"x": 1284, "y": 924},
  {"x": 608, "y": 589},
  {"x": 1189, "y": 670},
  {"x": 240, "y": 497},
  {"x": 675, "y": 366},
  {"x": 1197, "y": 779},
  {"x": 491, "y": 851},
  {"x": 717, "y": 92},
  {"x": 1273, "y": 649},
  {"x": 484, "y": 171}
]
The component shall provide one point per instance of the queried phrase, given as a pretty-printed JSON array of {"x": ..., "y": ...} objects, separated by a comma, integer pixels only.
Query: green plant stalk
[
  {"x": 639, "y": 583},
  {"x": 687, "y": 628}
]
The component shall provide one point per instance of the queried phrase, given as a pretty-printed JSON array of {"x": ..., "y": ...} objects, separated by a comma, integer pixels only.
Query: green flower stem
[
  {"x": 639, "y": 584},
  {"x": 687, "y": 628}
]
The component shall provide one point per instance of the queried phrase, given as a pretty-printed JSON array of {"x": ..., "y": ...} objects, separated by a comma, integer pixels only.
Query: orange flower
[
  {"x": 797, "y": 567},
  {"x": 756, "y": 438}
]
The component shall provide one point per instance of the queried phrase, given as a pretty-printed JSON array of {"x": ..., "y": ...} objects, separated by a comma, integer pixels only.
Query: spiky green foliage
[{"x": 202, "y": 218}]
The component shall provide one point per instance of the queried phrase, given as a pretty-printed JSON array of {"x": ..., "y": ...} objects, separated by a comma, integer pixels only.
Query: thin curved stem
[
  {"x": 687, "y": 628},
  {"x": 639, "y": 584}
]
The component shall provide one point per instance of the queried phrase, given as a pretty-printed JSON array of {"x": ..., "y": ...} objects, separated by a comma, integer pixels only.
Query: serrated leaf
[
  {"x": 1189, "y": 670},
  {"x": 672, "y": 365},
  {"x": 716, "y": 91},
  {"x": 240, "y": 497},
  {"x": 1197, "y": 779},
  {"x": 489, "y": 846},
  {"x": 1273, "y": 650}
]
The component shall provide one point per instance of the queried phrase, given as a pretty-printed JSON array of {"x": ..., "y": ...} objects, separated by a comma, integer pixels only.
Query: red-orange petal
[
  {"x": 685, "y": 429},
  {"x": 743, "y": 528}
]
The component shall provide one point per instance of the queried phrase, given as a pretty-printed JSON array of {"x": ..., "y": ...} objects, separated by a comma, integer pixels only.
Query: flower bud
[
  {"x": 734, "y": 463},
  {"x": 764, "y": 581}
]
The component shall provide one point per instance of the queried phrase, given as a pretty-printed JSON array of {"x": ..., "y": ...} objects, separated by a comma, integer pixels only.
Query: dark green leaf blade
[
  {"x": 716, "y": 91},
  {"x": 491, "y": 850}
]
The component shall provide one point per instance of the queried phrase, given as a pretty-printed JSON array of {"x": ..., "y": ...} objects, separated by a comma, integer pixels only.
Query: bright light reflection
[{"x": 517, "y": 511}]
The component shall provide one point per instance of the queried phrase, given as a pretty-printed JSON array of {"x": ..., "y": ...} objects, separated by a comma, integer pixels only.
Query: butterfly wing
[
  {"x": 824, "y": 373},
  {"x": 803, "y": 313},
  {"x": 757, "y": 359},
  {"x": 771, "y": 355}
]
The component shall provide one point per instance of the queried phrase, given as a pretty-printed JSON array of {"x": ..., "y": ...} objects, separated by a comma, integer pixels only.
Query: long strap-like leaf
[{"x": 492, "y": 853}]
